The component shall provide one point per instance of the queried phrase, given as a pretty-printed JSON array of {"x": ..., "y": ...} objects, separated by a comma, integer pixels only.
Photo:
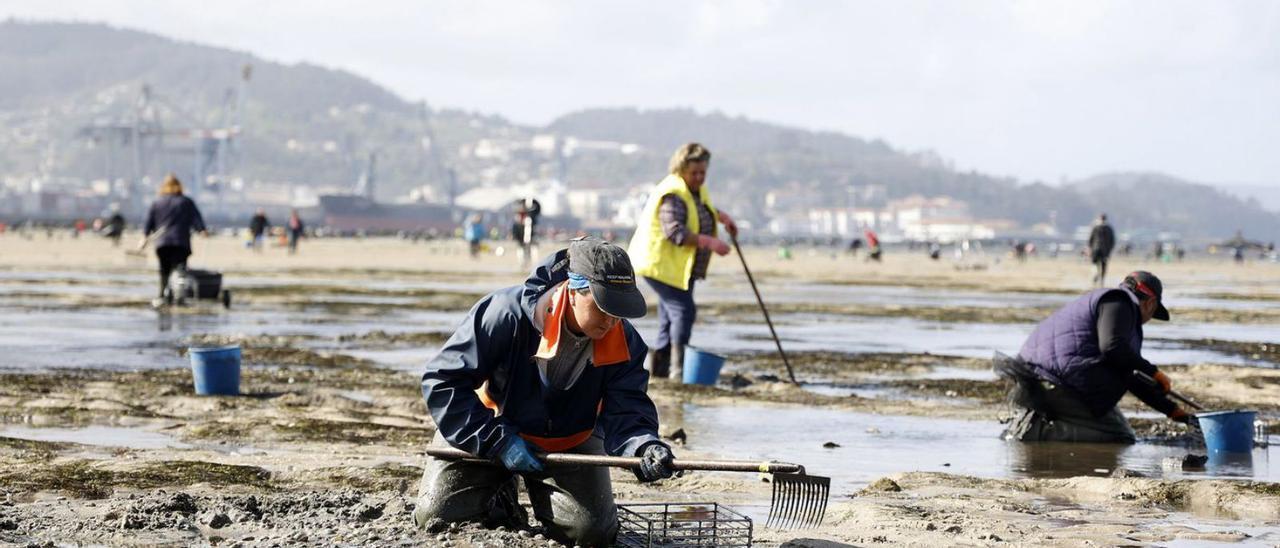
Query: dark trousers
[
  {"x": 1062, "y": 414},
  {"x": 171, "y": 258},
  {"x": 574, "y": 503},
  {"x": 676, "y": 313},
  {"x": 1100, "y": 266}
]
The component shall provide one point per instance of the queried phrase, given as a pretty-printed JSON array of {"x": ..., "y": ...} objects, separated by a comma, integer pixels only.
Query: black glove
[{"x": 655, "y": 462}]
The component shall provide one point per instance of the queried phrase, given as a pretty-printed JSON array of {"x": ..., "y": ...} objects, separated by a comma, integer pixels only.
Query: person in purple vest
[{"x": 1079, "y": 362}]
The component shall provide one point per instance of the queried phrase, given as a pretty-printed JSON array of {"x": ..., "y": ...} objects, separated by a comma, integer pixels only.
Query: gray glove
[{"x": 655, "y": 463}]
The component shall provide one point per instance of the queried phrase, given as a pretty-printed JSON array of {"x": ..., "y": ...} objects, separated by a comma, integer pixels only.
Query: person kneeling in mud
[
  {"x": 550, "y": 366},
  {"x": 1079, "y": 362}
]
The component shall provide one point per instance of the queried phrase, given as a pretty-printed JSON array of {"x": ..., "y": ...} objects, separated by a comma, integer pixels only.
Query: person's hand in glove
[
  {"x": 655, "y": 462},
  {"x": 1163, "y": 380},
  {"x": 1193, "y": 424},
  {"x": 1181, "y": 415},
  {"x": 517, "y": 457},
  {"x": 714, "y": 244},
  {"x": 729, "y": 226}
]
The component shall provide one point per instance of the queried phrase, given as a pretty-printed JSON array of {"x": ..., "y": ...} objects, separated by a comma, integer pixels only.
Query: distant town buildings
[
  {"x": 940, "y": 219},
  {"x": 499, "y": 170}
]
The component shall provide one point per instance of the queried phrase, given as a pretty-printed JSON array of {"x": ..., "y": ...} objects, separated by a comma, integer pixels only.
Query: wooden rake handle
[{"x": 574, "y": 459}]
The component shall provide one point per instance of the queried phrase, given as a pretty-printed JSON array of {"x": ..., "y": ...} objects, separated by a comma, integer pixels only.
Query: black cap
[
  {"x": 613, "y": 281},
  {"x": 1141, "y": 281}
]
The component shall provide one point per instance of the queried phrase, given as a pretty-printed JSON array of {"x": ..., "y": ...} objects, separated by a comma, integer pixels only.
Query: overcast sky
[{"x": 1037, "y": 89}]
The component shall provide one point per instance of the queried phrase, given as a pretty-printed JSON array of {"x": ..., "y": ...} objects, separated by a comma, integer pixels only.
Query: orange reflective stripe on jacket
[
  {"x": 563, "y": 443},
  {"x": 609, "y": 350}
]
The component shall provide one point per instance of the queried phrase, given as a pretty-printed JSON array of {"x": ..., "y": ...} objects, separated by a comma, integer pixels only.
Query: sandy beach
[{"x": 103, "y": 440}]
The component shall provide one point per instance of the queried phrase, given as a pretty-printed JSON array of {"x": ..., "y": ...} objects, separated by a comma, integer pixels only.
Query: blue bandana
[{"x": 578, "y": 281}]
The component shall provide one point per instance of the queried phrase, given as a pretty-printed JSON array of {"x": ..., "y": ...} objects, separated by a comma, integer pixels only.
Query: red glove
[
  {"x": 1180, "y": 415},
  {"x": 1165, "y": 383},
  {"x": 714, "y": 244}
]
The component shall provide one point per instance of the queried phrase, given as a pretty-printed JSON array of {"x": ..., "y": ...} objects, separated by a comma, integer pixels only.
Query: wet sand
[{"x": 325, "y": 444}]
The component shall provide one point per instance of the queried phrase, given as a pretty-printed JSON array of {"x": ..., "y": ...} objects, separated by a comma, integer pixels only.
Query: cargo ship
[
  {"x": 353, "y": 212},
  {"x": 358, "y": 211}
]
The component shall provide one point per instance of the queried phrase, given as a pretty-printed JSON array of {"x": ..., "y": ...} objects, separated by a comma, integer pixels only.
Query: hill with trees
[{"x": 312, "y": 125}]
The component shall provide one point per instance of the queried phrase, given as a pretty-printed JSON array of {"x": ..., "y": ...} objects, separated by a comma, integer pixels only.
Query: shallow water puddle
[
  {"x": 355, "y": 396},
  {"x": 836, "y": 294},
  {"x": 871, "y": 446},
  {"x": 401, "y": 359},
  {"x": 106, "y": 338},
  {"x": 1256, "y": 535},
  {"x": 874, "y": 391},
  {"x": 109, "y": 436},
  {"x": 809, "y": 332}
]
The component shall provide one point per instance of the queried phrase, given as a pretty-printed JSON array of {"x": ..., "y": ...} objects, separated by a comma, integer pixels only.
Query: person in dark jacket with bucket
[
  {"x": 550, "y": 366},
  {"x": 170, "y": 222},
  {"x": 1078, "y": 364}
]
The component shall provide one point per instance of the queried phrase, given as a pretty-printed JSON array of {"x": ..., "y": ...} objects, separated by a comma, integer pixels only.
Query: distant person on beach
[
  {"x": 1102, "y": 239},
  {"x": 1080, "y": 361},
  {"x": 672, "y": 246},
  {"x": 115, "y": 226},
  {"x": 257, "y": 229},
  {"x": 473, "y": 232},
  {"x": 295, "y": 229},
  {"x": 547, "y": 366},
  {"x": 873, "y": 245},
  {"x": 524, "y": 229},
  {"x": 170, "y": 222}
]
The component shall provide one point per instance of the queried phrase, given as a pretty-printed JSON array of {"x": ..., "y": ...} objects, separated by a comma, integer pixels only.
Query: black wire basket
[{"x": 675, "y": 525}]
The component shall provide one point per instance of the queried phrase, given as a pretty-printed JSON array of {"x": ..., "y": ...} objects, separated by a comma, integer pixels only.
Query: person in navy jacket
[{"x": 549, "y": 366}]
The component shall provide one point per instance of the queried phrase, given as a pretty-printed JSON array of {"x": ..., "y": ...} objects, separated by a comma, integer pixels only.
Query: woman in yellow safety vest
[{"x": 671, "y": 249}]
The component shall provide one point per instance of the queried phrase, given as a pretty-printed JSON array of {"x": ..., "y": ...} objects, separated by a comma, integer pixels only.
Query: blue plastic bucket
[
  {"x": 216, "y": 370},
  {"x": 701, "y": 367},
  {"x": 1228, "y": 431}
]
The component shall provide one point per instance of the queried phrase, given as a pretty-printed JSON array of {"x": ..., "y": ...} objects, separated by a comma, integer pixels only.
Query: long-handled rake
[
  {"x": 791, "y": 374},
  {"x": 799, "y": 500}
]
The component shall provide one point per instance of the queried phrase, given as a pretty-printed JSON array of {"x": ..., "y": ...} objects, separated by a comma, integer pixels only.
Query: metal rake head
[{"x": 799, "y": 500}]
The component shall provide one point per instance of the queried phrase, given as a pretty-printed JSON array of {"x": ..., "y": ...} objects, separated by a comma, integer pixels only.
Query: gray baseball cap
[{"x": 613, "y": 282}]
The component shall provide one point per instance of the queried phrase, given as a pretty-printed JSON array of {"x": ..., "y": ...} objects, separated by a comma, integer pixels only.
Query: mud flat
[
  {"x": 332, "y": 453},
  {"x": 105, "y": 443},
  {"x": 929, "y": 509}
]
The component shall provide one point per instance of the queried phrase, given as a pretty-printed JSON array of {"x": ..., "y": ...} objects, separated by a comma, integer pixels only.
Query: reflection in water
[
  {"x": 164, "y": 319},
  {"x": 1062, "y": 460},
  {"x": 1235, "y": 464}
]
